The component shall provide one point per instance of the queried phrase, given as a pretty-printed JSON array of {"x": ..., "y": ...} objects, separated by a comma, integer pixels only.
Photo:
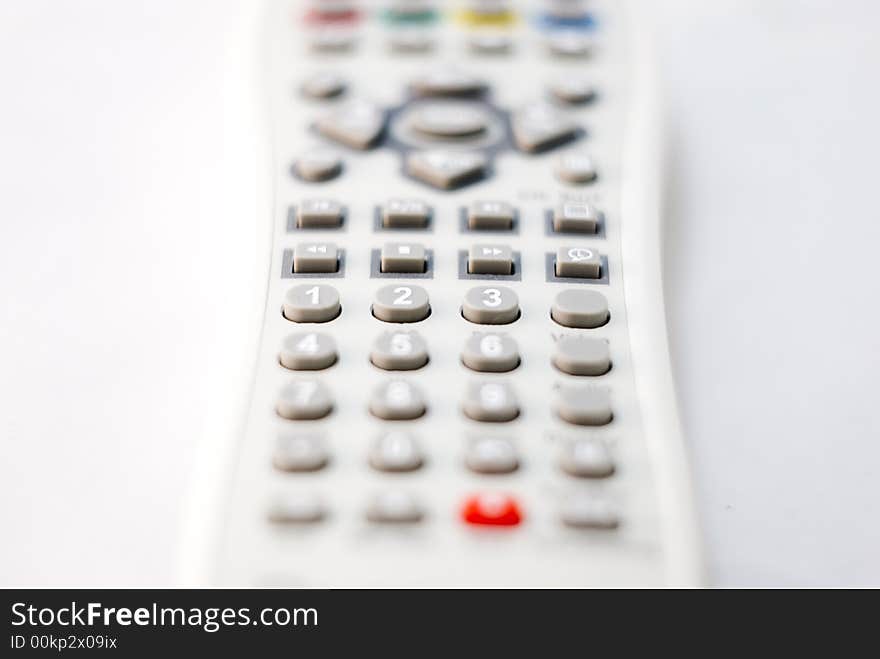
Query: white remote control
[{"x": 463, "y": 377}]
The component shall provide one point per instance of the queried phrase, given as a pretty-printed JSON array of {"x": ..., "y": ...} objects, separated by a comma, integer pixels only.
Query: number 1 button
[
  {"x": 401, "y": 304},
  {"x": 310, "y": 303}
]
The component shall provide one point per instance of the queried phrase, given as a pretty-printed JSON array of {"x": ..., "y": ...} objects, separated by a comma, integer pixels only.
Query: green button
[{"x": 410, "y": 18}]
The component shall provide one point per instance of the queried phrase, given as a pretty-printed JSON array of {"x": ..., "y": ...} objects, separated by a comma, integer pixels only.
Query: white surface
[{"x": 116, "y": 134}]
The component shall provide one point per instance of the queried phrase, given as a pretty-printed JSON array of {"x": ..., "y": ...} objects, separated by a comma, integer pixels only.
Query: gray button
[
  {"x": 311, "y": 303},
  {"x": 446, "y": 169},
  {"x": 299, "y": 452},
  {"x": 324, "y": 85},
  {"x": 449, "y": 119},
  {"x": 491, "y": 215},
  {"x": 490, "y": 305},
  {"x": 394, "y": 507},
  {"x": 576, "y": 168},
  {"x": 492, "y": 456},
  {"x": 402, "y": 257},
  {"x": 304, "y": 399},
  {"x": 396, "y": 451},
  {"x": 332, "y": 40},
  {"x": 489, "y": 352},
  {"x": 315, "y": 257},
  {"x": 584, "y": 406},
  {"x": 490, "y": 401},
  {"x": 410, "y": 40},
  {"x": 397, "y": 400},
  {"x": 308, "y": 351},
  {"x": 448, "y": 82},
  {"x": 397, "y": 303},
  {"x": 578, "y": 262},
  {"x": 399, "y": 351},
  {"x": 573, "y": 90},
  {"x": 490, "y": 260},
  {"x": 540, "y": 126},
  {"x": 317, "y": 166},
  {"x": 580, "y": 308},
  {"x": 358, "y": 125},
  {"x": 302, "y": 508},
  {"x": 582, "y": 355},
  {"x": 490, "y": 43},
  {"x": 578, "y": 218},
  {"x": 587, "y": 458},
  {"x": 319, "y": 213},
  {"x": 590, "y": 512},
  {"x": 405, "y": 213},
  {"x": 565, "y": 43}
]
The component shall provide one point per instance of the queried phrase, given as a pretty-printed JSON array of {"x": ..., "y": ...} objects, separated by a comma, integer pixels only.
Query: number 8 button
[
  {"x": 490, "y": 305},
  {"x": 401, "y": 304}
]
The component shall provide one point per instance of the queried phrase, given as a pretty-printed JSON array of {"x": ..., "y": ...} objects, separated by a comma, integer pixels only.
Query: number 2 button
[{"x": 401, "y": 304}]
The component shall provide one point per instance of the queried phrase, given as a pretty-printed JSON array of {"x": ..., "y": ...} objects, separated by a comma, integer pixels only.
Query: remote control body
[{"x": 347, "y": 470}]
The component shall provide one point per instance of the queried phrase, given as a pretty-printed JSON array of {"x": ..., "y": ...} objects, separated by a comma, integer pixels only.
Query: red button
[
  {"x": 324, "y": 17},
  {"x": 491, "y": 510}
]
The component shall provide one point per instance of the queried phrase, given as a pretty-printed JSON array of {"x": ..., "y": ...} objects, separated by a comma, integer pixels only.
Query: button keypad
[{"x": 520, "y": 381}]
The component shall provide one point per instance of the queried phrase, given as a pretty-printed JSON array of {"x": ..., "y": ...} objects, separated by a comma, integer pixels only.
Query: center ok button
[{"x": 449, "y": 120}]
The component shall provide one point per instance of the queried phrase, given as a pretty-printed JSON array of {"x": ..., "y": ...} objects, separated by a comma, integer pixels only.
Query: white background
[{"x": 114, "y": 164}]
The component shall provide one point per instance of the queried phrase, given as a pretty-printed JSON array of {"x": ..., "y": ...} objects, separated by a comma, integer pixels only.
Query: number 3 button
[
  {"x": 401, "y": 304},
  {"x": 490, "y": 305}
]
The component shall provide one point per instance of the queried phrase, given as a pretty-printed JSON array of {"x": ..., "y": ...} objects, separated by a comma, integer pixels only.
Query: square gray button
[
  {"x": 403, "y": 257},
  {"x": 577, "y": 218},
  {"x": 315, "y": 257},
  {"x": 405, "y": 213},
  {"x": 491, "y": 215},
  {"x": 583, "y": 262},
  {"x": 490, "y": 260},
  {"x": 320, "y": 213}
]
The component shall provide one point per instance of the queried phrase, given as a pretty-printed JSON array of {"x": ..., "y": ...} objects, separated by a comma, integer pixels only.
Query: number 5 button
[
  {"x": 401, "y": 304},
  {"x": 309, "y": 303},
  {"x": 490, "y": 305}
]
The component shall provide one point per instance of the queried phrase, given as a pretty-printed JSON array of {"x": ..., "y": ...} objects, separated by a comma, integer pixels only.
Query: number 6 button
[
  {"x": 490, "y": 305},
  {"x": 401, "y": 304},
  {"x": 309, "y": 303}
]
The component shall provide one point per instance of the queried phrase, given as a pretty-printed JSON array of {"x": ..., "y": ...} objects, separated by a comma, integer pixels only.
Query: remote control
[{"x": 462, "y": 377}]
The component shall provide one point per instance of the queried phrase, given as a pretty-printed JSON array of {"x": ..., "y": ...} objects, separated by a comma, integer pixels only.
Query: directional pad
[
  {"x": 357, "y": 125},
  {"x": 446, "y": 169}
]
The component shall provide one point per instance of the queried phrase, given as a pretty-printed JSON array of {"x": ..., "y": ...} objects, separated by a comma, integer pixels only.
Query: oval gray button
[
  {"x": 489, "y": 352},
  {"x": 308, "y": 351},
  {"x": 298, "y": 452},
  {"x": 584, "y": 406},
  {"x": 399, "y": 351},
  {"x": 580, "y": 308},
  {"x": 303, "y": 400},
  {"x": 491, "y": 402},
  {"x": 492, "y": 456},
  {"x": 587, "y": 458},
  {"x": 582, "y": 355},
  {"x": 490, "y": 305},
  {"x": 311, "y": 303},
  {"x": 401, "y": 303},
  {"x": 397, "y": 400},
  {"x": 396, "y": 451}
]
